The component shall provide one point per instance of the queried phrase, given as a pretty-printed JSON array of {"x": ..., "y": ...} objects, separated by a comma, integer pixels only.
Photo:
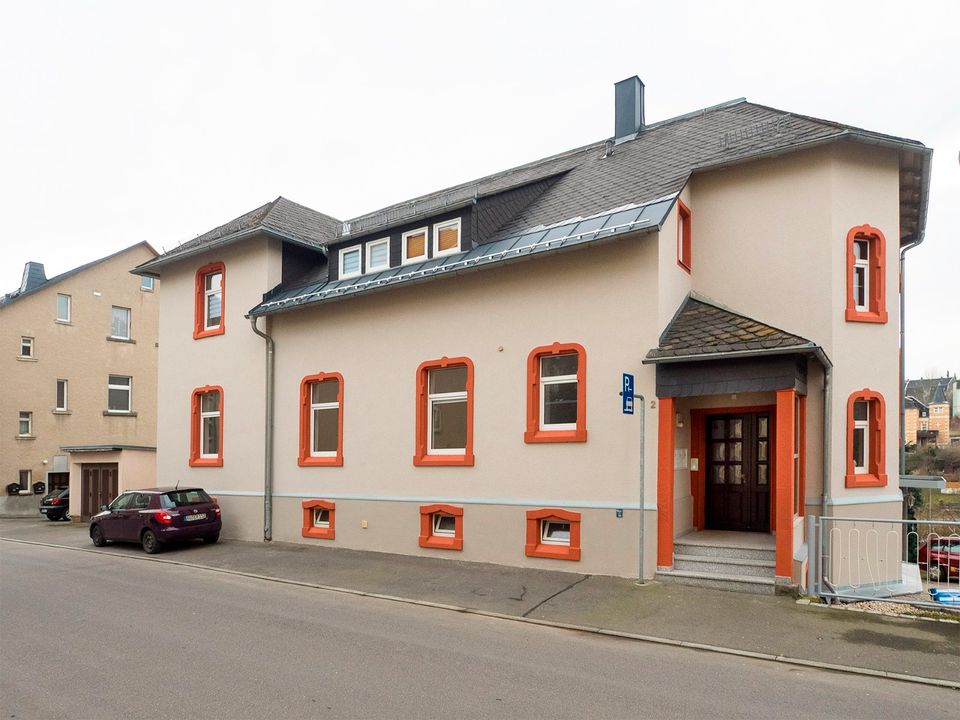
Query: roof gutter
[
  {"x": 810, "y": 349},
  {"x": 267, "y": 435},
  {"x": 147, "y": 267}
]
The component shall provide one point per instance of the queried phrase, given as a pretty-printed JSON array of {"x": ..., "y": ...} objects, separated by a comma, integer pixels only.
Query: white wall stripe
[{"x": 856, "y": 500}]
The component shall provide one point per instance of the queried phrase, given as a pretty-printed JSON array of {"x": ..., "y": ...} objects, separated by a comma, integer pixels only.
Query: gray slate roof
[
  {"x": 929, "y": 391},
  {"x": 911, "y": 402},
  {"x": 702, "y": 328},
  {"x": 284, "y": 218}
]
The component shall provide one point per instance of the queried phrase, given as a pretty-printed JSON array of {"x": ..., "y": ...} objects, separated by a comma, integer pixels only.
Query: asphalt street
[{"x": 98, "y": 636}]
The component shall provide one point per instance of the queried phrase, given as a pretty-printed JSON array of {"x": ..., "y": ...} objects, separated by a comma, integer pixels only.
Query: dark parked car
[
  {"x": 56, "y": 505},
  {"x": 939, "y": 557},
  {"x": 155, "y": 517}
]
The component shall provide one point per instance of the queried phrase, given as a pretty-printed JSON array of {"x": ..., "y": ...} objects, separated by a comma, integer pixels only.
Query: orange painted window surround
[
  {"x": 200, "y": 329},
  {"x": 684, "y": 236},
  {"x": 422, "y": 456},
  {"x": 310, "y": 528},
  {"x": 876, "y": 296},
  {"x": 534, "y": 433},
  {"x": 196, "y": 419},
  {"x": 441, "y": 542},
  {"x": 535, "y": 547},
  {"x": 875, "y": 475},
  {"x": 306, "y": 457}
]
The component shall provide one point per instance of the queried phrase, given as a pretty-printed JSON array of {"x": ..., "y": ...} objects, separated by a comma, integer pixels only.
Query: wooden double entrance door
[
  {"x": 98, "y": 486},
  {"x": 739, "y": 471}
]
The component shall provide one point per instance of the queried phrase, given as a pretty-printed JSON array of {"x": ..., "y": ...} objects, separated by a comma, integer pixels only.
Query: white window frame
[
  {"x": 69, "y": 308},
  {"x": 58, "y": 406},
  {"x": 443, "y": 532},
  {"x": 128, "y": 387},
  {"x": 863, "y": 425},
  {"x": 25, "y": 416},
  {"x": 334, "y": 405},
  {"x": 146, "y": 283},
  {"x": 206, "y": 300},
  {"x": 443, "y": 399},
  {"x": 26, "y": 341},
  {"x": 369, "y": 253},
  {"x": 864, "y": 264},
  {"x": 437, "y": 252},
  {"x": 204, "y": 414},
  {"x": 545, "y": 524},
  {"x": 317, "y": 514},
  {"x": 340, "y": 256},
  {"x": 426, "y": 245},
  {"x": 557, "y": 380},
  {"x": 113, "y": 310}
]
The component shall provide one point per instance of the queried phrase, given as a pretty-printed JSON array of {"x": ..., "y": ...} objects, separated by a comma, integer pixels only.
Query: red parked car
[
  {"x": 939, "y": 557},
  {"x": 155, "y": 517}
]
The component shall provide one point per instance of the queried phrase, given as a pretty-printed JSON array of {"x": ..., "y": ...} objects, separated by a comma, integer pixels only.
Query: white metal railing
[{"x": 897, "y": 561}]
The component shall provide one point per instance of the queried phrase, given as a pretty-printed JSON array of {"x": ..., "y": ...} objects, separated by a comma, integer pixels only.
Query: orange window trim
[
  {"x": 876, "y": 417},
  {"x": 684, "y": 239},
  {"x": 440, "y": 542},
  {"x": 877, "y": 299},
  {"x": 312, "y": 531},
  {"x": 199, "y": 331},
  {"x": 421, "y": 458},
  {"x": 305, "y": 459},
  {"x": 535, "y": 548},
  {"x": 195, "y": 459},
  {"x": 533, "y": 433}
]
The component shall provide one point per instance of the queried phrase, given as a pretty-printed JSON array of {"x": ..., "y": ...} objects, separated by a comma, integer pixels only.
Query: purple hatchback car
[{"x": 157, "y": 516}]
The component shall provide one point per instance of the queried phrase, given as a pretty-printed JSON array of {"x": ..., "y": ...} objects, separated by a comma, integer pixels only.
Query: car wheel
[
  {"x": 96, "y": 534},
  {"x": 149, "y": 542},
  {"x": 211, "y": 539},
  {"x": 66, "y": 516},
  {"x": 933, "y": 573}
]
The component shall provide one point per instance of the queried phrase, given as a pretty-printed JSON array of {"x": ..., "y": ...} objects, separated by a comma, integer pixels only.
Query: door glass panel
[
  {"x": 735, "y": 452},
  {"x": 762, "y": 427},
  {"x": 762, "y": 450},
  {"x": 718, "y": 475},
  {"x": 717, "y": 429},
  {"x": 761, "y": 474},
  {"x": 719, "y": 451},
  {"x": 736, "y": 475},
  {"x": 736, "y": 428}
]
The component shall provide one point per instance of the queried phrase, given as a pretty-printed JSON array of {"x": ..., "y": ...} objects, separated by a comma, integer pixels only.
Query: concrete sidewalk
[{"x": 753, "y": 623}]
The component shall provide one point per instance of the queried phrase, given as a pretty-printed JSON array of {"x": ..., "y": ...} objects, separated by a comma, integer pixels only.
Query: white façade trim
[
  {"x": 590, "y": 504},
  {"x": 856, "y": 500}
]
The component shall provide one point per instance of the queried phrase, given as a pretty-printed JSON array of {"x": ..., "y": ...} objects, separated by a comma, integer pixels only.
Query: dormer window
[
  {"x": 350, "y": 262},
  {"x": 378, "y": 255},
  {"x": 415, "y": 246},
  {"x": 446, "y": 238}
]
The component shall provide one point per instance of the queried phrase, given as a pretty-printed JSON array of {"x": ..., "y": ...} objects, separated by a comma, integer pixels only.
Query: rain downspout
[
  {"x": 267, "y": 438},
  {"x": 903, "y": 348}
]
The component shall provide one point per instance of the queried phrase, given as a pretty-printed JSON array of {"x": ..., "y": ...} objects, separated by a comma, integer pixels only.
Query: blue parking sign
[{"x": 627, "y": 394}]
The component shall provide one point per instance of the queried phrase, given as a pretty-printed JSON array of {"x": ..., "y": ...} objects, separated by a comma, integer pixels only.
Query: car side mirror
[{"x": 104, "y": 507}]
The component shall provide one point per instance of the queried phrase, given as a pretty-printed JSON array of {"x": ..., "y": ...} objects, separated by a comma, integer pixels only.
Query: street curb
[{"x": 785, "y": 659}]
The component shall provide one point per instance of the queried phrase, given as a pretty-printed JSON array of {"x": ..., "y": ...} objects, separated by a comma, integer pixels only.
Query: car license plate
[
  {"x": 198, "y": 516},
  {"x": 43, "y": 510}
]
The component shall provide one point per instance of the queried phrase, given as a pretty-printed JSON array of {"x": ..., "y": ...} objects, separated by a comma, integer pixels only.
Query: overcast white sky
[{"x": 129, "y": 121}]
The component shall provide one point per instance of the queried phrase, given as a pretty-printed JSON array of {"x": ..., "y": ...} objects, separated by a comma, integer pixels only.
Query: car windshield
[{"x": 179, "y": 498}]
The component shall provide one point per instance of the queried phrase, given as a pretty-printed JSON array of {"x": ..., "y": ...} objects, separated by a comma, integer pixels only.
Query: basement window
[
  {"x": 441, "y": 527},
  {"x": 319, "y": 519},
  {"x": 553, "y": 533}
]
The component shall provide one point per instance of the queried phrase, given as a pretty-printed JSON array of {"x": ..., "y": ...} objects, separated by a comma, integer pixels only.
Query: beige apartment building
[
  {"x": 78, "y": 404},
  {"x": 927, "y": 411},
  {"x": 618, "y": 360}
]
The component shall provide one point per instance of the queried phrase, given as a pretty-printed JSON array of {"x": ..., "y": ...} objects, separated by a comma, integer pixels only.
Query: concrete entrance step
[
  {"x": 725, "y": 565},
  {"x": 717, "y": 581},
  {"x": 742, "y": 551}
]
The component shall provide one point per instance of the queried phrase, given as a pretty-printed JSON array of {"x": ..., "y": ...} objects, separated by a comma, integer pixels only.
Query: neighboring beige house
[
  {"x": 78, "y": 404},
  {"x": 927, "y": 411},
  {"x": 445, "y": 377}
]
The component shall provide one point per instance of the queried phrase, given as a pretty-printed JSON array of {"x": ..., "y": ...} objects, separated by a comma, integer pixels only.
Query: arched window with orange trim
[{"x": 866, "y": 425}]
